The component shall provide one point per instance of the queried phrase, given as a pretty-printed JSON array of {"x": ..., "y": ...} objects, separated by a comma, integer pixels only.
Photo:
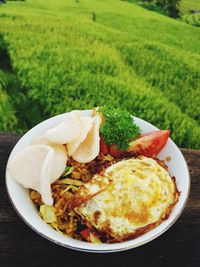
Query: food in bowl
[
  {"x": 127, "y": 199},
  {"x": 110, "y": 188}
]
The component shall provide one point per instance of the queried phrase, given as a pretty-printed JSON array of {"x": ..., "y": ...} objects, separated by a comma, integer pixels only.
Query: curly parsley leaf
[{"x": 118, "y": 127}]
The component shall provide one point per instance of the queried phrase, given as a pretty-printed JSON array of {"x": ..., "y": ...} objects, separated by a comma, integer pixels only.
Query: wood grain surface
[{"x": 21, "y": 246}]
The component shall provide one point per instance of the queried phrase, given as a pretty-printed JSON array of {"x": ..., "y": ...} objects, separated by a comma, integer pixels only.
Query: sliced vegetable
[
  {"x": 94, "y": 239},
  {"x": 89, "y": 236},
  {"x": 85, "y": 233},
  {"x": 115, "y": 152},
  {"x": 68, "y": 171},
  {"x": 103, "y": 147},
  {"x": 68, "y": 188},
  {"x": 149, "y": 144},
  {"x": 48, "y": 213},
  {"x": 71, "y": 181}
]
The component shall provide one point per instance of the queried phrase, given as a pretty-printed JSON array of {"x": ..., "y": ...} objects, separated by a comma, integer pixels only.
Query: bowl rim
[{"x": 91, "y": 250}]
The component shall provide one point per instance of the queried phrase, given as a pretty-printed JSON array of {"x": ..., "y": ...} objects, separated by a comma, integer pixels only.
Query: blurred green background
[{"x": 60, "y": 55}]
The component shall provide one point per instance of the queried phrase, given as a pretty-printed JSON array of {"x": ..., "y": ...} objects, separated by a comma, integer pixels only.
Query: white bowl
[{"x": 24, "y": 206}]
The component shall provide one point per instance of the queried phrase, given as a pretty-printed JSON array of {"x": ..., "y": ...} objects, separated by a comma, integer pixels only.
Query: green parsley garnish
[{"x": 118, "y": 127}]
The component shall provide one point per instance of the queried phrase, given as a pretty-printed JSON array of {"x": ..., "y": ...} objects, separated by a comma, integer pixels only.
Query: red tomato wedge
[
  {"x": 115, "y": 152},
  {"x": 149, "y": 144},
  {"x": 89, "y": 236},
  {"x": 112, "y": 150},
  {"x": 86, "y": 234},
  {"x": 103, "y": 147}
]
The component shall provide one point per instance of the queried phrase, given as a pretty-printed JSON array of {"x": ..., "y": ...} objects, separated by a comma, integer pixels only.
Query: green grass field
[
  {"x": 187, "y": 5},
  {"x": 75, "y": 54},
  {"x": 185, "y": 9},
  {"x": 192, "y": 19}
]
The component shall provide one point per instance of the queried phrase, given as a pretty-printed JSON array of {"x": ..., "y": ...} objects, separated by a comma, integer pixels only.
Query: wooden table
[{"x": 21, "y": 246}]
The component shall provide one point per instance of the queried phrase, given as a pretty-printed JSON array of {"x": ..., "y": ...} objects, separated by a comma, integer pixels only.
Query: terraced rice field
[{"x": 61, "y": 55}]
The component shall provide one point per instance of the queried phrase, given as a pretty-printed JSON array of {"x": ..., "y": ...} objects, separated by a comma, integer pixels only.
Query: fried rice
[{"x": 63, "y": 193}]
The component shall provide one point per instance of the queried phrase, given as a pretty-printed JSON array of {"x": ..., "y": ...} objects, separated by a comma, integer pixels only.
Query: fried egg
[{"x": 129, "y": 198}]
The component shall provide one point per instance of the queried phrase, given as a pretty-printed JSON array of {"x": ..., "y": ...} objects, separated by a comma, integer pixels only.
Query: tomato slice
[
  {"x": 86, "y": 234},
  {"x": 89, "y": 236},
  {"x": 149, "y": 144},
  {"x": 114, "y": 151},
  {"x": 103, "y": 147}
]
